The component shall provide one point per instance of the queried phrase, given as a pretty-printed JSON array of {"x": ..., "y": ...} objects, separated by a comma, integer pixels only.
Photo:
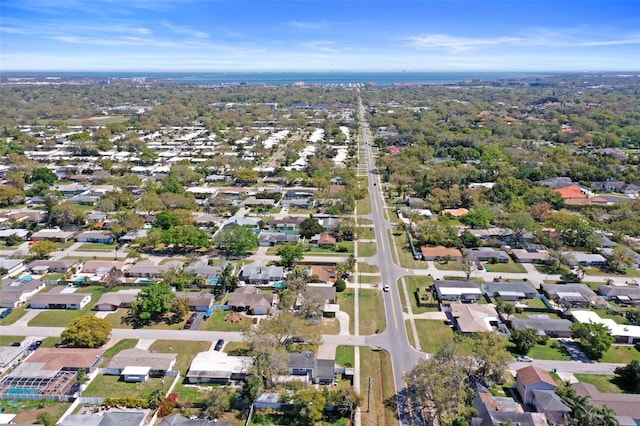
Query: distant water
[{"x": 287, "y": 78}]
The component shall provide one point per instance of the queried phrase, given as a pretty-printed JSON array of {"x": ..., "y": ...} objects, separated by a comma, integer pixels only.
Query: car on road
[
  {"x": 524, "y": 358},
  {"x": 219, "y": 345},
  {"x": 385, "y": 288}
]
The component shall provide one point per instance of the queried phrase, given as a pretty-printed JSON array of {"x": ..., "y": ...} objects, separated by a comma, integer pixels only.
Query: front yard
[
  {"x": 415, "y": 283},
  {"x": 62, "y": 317}
]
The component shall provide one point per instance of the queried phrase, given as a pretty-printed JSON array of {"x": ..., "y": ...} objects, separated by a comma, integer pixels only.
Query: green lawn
[
  {"x": 368, "y": 268},
  {"x": 372, "y": 315},
  {"x": 621, "y": 354},
  {"x": 65, "y": 245},
  {"x": 8, "y": 340},
  {"x": 115, "y": 386},
  {"x": 603, "y": 273},
  {"x": 605, "y": 313},
  {"x": 186, "y": 350},
  {"x": 511, "y": 267},
  {"x": 97, "y": 247},
  {"x": 115, "y": 319},
  {"x": 553, "y": 350},
  {"x": 345, "y": 356},
  {"x": 367, "y": 249},
  {"x": 60, "y": 318},
  {"x": 414, "y": 283},
  {"x": 28, "y": 411},
  {"x": 365, "y": 233},
  {"x": 404, "y": 252},
  {"x": 605, "y": 383},
  {"x": 376, "y": 365},
  {"x": 217, "y": 323},
  {"x": 14, "y": 316},
  {"x": 50, "y": 342},
  {"x": 434, "y": 333},
  {"x": 346, "y": 301},
  {"x": 370, "y": 279},
  {"x": 364, "y": 206},
  {"x": 450, "y": 266}
]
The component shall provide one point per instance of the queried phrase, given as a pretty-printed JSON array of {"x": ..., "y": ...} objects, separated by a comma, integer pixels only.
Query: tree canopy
[{"x": 87, "y": 332}]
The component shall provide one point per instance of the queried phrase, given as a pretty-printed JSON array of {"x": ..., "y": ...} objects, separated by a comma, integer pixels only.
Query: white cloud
[
  {"x": 184, "y": 30},
  {"x": 307, "y": 25}
]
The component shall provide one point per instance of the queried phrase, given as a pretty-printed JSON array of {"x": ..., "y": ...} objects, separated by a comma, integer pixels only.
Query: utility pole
[{"x": 369, "y": 395}]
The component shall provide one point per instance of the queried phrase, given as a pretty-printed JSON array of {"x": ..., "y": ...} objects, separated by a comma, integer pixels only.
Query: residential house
[
  {"x": 318, "y": 371},
  {"x": 59, "y": 298},
  {"x": 440, "y": 253},
  {"x": 488, "y": 255},
  {"x": 622, "y": 333},
  {"x": 556, "y": 182},
  {"x": 127, "y": 361},
  {"x": 621, "y": 295},
  {"x": 101, "y": 267},
  {"x": 262, "y": 275},
  {"x": 17, "y": 292},
  {"x": 42, "y": 267},
  {"x": 329, "y": 223},
  {"x": 52, "y": 235},
  {"x": 457, "y": 290},
  {"x": 20, "y": 233},
  {"x": 178, "y": 420},
  {"x": 475, "y": 318},
  {"x": 96, "y": 217},
  {"x": 113, "y": 301},
  {"x": 110, "y": 418},
  {"x": 270, "y": 238},
  {"x": 551, "y": 405},
  {"x": 248, "y": 298},
  {"x": 560, "y": 328},
  {"x": 580, "y": 258},
  {"x": 571, "y": 192},
  {"x": 625, "y": 405},
  {"x": 494, "y": 410},
  {"x": 10, "y": 266},
  {"x": 532, "y": 378},
  {"x": 218, "y": 367},
  {"x": 286, "y": 225},
  {"x": 531, "y": 254},
  {"x": 570, "y": 295},
  {"x": 326, "y": 274},
  {"x": 253, "y": 202},
  {"x": 198, "y": 302},
  {"x": 510, "y": 291},
  {"x": 148, "y": 269},
  {"x": 459, "y": 212},
  {"x": 94, "y": 237},
  {"x": 326, "y": 240}
]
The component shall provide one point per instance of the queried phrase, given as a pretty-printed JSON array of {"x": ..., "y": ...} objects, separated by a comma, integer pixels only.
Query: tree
[
  {"x": 165, "y": 220},
  {"x": 44, "y": 175},
  {"x": 311, "y": 303},
  {"x": 228, "y": 280},
  {"x": 468, "y": 264},
  {"x": 246, "y": 176},
  {"x": 521, "y": 222},
  {"x": 235, "y": 240},
  {"x": 491, "y": 356},
  {"x": 10, "y": 196},
  {"x": 216, "y": 402},
  {"x": 41, "y": 249},
  {"x": 595, "y": 338},
  {"x": 309, "y": 404},
  {"x": 66, "y": 214},
  {"x": 310, "y": 227},
  {"x": 87, "y": 332},
  {"x": 13, "y": 240},
  {"x": 340, "y": 285},
  {"x": 629, "y": 376},
  {"x": 524, "y": 339},
  {"x": 46, "y": 419},
  {"x": 478, "y": 218},
  {"x": 290, "y": 254},
  {"x": 186, "y": 237},
  {"x": 621, "y": 257},
  {"x": 633, "y": 315},
  {"x": 151, "y": 304}
]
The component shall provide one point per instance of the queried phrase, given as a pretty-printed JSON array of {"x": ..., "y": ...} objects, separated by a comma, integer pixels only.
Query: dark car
[
  {"x": 15, "y": 344},
  {"x": 6, "y": 313},
  {"x": 219, "y": 345},
  {"x": 35, "y": 345}
]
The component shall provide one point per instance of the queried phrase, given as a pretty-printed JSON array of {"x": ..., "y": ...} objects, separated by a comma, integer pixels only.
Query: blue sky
[{"x": 316, "y": 35}]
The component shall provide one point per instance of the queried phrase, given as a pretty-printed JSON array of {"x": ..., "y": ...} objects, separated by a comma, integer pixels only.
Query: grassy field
[
  {"x": 368, "y": 268},
  {"x": 635, "y": 273},
  {"x": 116, "y": 318},
  {"x": 29, "y": 411},
  {"x": 406, "y": 259},
  {"x": 372, "y": 316},
  {"x": 186, "y": 350},
  {"x": 365, "y": 233},
  {"x": 345, "y": 356},
  {"x": 367, "y": 249},
  {"x": 377, "y": 366},
  {"x": 8, "y": 340},
  {"x": 621, "y": 354},
  {"x": 346, "y": 301},
  {"x": 511, "y": 267},
  {"x": 97, "y": 247},
  {"x": 605, "y": 383},
  {"x": 328, "y": 326},
  {"x": 104, "y": 385},
  {"x": 364, "y": 206},
  {"x": 413, "y": 283},
  {"x": 449, "y": 266},
  {"x": 553, "y": 350},
  {"x": 60, "y": 318},
  {"x": 370, "y": 279},
  {"x": 434, "y": 333},
  {"x": 217, "y": 323}
]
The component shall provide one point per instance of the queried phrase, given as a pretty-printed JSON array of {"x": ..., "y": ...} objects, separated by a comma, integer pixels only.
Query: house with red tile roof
[
  {"x": 440, "y": 252},
  {"x": 533, "y": 378},
  {"x": 571, "y": 192}
]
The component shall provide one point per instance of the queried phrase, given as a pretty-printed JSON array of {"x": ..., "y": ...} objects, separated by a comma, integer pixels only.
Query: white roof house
[{"x": 622, "y": 333}]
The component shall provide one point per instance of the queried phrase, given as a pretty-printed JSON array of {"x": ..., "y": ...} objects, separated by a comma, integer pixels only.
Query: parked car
[
  {"x": 6, "y": 313},
  {"x": 219, "y": 345},
  {"x": 524, "y": 358},
  {"x": 15, "y": 344}
]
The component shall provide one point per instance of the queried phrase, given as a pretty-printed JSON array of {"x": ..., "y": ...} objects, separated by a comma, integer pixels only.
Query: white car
[
  {"x": 385, "y": 288},
  {"x": 524, "y": 358}
]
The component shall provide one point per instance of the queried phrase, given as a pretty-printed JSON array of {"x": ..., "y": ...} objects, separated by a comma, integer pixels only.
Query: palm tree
[{"x": 606, "y": 416}]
